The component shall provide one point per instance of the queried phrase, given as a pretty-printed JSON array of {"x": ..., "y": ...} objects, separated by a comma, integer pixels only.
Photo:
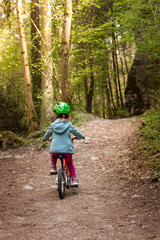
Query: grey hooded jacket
[{"x": 60, "y": 131}]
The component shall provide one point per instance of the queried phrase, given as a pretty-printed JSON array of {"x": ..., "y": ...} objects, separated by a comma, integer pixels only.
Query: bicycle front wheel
[{"x": 61, "y": 183}]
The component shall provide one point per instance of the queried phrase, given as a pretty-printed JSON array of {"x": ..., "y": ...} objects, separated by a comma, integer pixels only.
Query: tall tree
[
  {"x": 90, "y": 92},
  {"x": 47, "y": 65},
  {"x": 89, "y": 85},
  {"x": 90, "y": 89},
  {"x": 32, "y": 113},
  {"x": 65, "y": 51},
  {"x": 35, "y": 55},
  {"x": 114, "y": 57}
]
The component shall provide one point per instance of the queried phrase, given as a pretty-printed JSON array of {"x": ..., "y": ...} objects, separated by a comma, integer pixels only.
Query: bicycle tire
[{"x": 61, "y": 183}]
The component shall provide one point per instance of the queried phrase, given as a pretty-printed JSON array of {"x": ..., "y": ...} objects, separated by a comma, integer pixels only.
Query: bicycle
[{"x": 64, "y": 178}]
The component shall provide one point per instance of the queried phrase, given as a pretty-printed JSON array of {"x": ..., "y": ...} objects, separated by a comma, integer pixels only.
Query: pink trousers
[{"x": 69, "y": 162}]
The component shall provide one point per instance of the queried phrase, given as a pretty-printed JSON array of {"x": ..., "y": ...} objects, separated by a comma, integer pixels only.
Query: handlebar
[
  {"x": 75, "y": 138},
  {"x": 72, "y": 139}
]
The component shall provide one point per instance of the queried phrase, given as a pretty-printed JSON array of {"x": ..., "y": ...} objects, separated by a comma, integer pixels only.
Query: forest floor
[{"x": 111, "y": 202}]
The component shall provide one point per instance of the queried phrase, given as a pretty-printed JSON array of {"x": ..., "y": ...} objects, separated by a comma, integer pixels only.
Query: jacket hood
[{"x": 60, "y": 126}]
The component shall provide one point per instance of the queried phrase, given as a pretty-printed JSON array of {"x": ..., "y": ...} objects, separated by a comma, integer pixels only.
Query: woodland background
[{"x": 102, "y": 57}]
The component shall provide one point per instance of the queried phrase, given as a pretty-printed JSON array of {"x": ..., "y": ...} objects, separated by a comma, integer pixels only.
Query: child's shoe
[
  {"x": 74, "y": 182},
  {"x": 53, "y": 170}
]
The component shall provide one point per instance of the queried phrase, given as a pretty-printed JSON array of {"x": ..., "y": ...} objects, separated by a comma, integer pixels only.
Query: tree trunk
[
  {"x": 106, "y": 85},
  {"x": 117, "y": 68},
  {"x": 122, "y": 68},
  {"x": 89, "y": 85},
  {"x": 85, "y": 83},
  {"x": 107, "y": 88},
  {"x": 111, "y": 92},
  {"x": 114, "y": 59},
  {"x": 143, "y": 78},
  {"x": 103, "y": 100},
  {"x": 115, "y": 75},
  {"x": 125, "y": 60},
  {"x": 91, "y": 89},
  {"x": 35, "y": 56},
  {"x": 32, "y": 113},
  {"x": 65, "y": 51},
  {"x": 47, "y": 65}
]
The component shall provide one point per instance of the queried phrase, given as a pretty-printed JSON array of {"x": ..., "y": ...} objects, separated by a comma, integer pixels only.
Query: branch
[{"x": 35, "y": 26}]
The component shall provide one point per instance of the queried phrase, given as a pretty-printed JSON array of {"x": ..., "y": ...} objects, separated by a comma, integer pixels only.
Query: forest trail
[{"x": 110, "y": 203}]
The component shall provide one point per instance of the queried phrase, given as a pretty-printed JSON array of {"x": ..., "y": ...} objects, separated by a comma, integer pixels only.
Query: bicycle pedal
[
  {"x": 53, "y": 173},
  {"x": 74, "y": 186}
]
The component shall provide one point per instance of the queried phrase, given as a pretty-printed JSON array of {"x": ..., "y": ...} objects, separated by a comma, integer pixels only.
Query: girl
[{"x": 61, "y": 130}]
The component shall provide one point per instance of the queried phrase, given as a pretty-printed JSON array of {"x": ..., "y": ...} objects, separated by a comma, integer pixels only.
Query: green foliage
[
  {"x": 134, "y": 23},
  {"x": 149, "y": 142},
  {"x": 122, "y": 113},
  {"x": 156, "y": 175},
  {"x": 79, "y": 117},
  {"x": 150, "y": 128},
  {"x": 13, "y": 109},
  {"x": 142, "y": 19}
]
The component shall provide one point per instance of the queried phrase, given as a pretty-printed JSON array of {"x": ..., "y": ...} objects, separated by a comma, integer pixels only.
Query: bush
[
  {"x": 77, "y": 118},
  {"x": 149, "y": 142},
  {"x": 122, "y": 113},
  {"x": 13, "y": 112}
]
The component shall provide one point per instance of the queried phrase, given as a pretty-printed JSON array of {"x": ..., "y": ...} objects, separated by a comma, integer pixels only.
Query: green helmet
[{"x": 62, "y": 107}]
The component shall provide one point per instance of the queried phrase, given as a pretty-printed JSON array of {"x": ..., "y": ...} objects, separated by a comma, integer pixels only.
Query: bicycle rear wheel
[{"x": 61, "y": 183}]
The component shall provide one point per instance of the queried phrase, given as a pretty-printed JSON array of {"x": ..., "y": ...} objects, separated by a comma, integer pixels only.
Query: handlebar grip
[{"x": 74, "y": 138}]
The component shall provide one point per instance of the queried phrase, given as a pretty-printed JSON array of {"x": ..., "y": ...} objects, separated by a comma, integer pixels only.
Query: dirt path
[{"x": 109, "y": 204}]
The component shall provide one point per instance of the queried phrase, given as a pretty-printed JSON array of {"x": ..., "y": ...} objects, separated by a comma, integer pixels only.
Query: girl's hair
[{"x": 63, "y": 115}]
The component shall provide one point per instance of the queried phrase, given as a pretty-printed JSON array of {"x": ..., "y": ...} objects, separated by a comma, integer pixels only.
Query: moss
[
  {"x": 37, "y": 134},
  {"x": 9, "y": 140}
]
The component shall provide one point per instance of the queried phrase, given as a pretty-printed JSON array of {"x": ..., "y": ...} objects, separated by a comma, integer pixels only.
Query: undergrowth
[
  {"x": 78, "y": 118},
  {"x": 149, "y": 141}
]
